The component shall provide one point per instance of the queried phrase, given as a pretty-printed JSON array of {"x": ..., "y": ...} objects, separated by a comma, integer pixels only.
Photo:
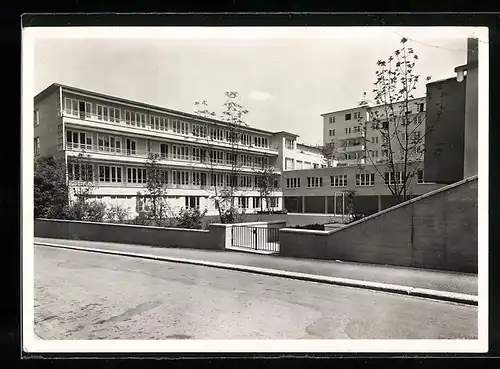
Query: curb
[{"x": 374, "y": 286}]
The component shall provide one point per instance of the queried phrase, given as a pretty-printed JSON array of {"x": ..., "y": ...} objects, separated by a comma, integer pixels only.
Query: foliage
[
  {"x": 117, "y": 213},
  {"x": 267, "y": 180},
  {"x": 51, "y": 191},
  {"x": 140, "y": 219},
  {"x": 351, "y": 210},
  {"x": 157, "y": 206},
  {"x": 349, "y": 198},
  {"x": 202, "y": 109},
  {"x": 190, "y": 218},
  {"x": 316, "y": 227},
  {"x": 224, "y": 196},
  {"x": 87, "y": 211},
  {"x": 398, "y": 119},
  {"x": 328, "y": 151},
  {"x": 81, "y": 176}
]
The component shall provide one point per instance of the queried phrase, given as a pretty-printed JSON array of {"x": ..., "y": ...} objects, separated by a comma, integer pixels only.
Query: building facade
[
  {"x": 325, "y": 190},
  {"x": 358, "y": 139},
  {"x": 117, "y": 135}
]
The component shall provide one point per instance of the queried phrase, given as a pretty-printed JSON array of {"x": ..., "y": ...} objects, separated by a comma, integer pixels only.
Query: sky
[{"x": 285, "y": 81}]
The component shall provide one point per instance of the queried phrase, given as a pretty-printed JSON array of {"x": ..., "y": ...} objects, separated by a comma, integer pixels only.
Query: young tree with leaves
[
  {"x": 81, "y": 176},
  {"x": 399, "y": 119},
  {"x": 233, "y": 114},
  {"x": 155, "y": 190},
  {"x": 267, "y": 180}
]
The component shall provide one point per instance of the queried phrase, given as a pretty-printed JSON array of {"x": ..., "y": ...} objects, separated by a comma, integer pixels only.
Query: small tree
[
  {"x": 267, "y": 180},
  {"x": 399, "y": 119},
  {"x": 157, "y": 206},
  {"x": 81, "y": 176},
  {"x": 224, "y": 196},
  {"x": 51, "y": 191}
]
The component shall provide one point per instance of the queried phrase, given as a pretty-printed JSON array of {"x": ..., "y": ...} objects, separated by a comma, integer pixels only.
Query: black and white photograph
[{"x": 255, "y": 189}]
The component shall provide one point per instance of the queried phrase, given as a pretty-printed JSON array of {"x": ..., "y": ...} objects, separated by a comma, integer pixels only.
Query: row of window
[
  {"x": 115, "y": 174},
  {"x": 355, "y": 129},
  {"x": 290, "y": 164},
  {"x": 314, "y": 182},
  {"x": 109, "y": 143},
  {"x": 362, "y": 179},
  {"x": 293, "y": 182},
  {"x": 357, "y": 115},
  {"x": 104, "y": 113},
  {"x": 190, "y": 202}
]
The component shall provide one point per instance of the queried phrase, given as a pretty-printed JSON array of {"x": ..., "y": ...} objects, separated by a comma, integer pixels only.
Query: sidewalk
[{"x": 447, "y": 282}]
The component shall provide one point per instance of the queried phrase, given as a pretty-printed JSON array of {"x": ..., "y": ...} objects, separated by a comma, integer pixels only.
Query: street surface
[
  {"x": 83, "y": 295},
  {"x": 414, "y": 277}
]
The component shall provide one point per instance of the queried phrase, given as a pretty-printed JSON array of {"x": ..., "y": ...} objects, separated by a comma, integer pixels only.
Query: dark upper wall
[
  {"x": 471, "y": 111},
  {"x": 444, "y": 144},
  {"x": 49, "y": 120}
]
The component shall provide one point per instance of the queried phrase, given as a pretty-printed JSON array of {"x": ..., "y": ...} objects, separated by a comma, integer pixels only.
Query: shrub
[
  {"x": 190, "y": 218},
  {"x": 117, "y": 213},
  {"x": 50, "y": 189},
  {"x": 316, "y": 227},
  {"x": 90, "y": 211}
]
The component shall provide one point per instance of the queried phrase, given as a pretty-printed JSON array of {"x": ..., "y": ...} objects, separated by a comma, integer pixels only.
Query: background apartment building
[
  {"x": 118, "y": 134},
  {"x": 356, "y": 140}
]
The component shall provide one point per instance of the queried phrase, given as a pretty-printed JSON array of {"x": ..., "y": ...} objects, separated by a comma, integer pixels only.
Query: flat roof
[
  {"x": 367, "y": 106},
  {"x": 318, "y": 147},
  {"x": 286, "y": 133},
  {"x": 54, "y": 86}
]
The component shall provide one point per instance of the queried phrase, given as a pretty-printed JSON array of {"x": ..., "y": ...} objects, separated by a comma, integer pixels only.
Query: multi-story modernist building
[
  {"x": 117, "y": 136},
  {"x": 358, "y": 142}
]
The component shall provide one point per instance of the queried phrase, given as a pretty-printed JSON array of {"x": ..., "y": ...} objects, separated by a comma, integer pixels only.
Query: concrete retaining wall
[
  {"x": 437, "y": 230},
  {"x": 213, "y": 239}
]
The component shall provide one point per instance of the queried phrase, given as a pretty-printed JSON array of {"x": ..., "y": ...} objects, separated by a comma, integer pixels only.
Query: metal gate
[{"x": 256, "y": 238}]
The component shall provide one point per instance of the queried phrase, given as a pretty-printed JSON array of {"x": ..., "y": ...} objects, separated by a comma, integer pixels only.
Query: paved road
[
  {"x": 414, "y": 277},
  {"x": 81, "y": 295}
]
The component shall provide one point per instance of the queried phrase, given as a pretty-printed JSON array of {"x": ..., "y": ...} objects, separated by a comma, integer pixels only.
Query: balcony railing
[
  {"x": 131, "y": 153},
  {"x": 167, "y": 186},
  {"x": 208, "y": 138},
  {"x": 352, "y": 148},
  {"x": 347, "y": 136},
  {"x": 349, "y": 162}
]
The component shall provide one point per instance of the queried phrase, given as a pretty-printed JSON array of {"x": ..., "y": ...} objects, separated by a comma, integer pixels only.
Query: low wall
[
  {"x": 437, "y": 230},
  {"x": 333, "y": 227},
  {"x": 213, "y": 239},
  {"x": 290, "y": 219}
]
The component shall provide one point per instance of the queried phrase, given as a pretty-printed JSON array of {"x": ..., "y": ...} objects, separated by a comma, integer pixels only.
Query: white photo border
[{"x": 32, "y": 344}]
